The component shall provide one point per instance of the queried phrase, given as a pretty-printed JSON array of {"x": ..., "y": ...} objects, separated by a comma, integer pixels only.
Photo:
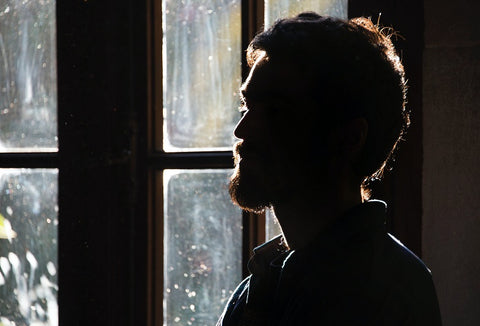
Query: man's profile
[{"x": 324, "y": 109}]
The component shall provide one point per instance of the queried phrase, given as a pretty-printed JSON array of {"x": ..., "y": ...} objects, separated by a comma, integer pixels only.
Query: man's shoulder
[
  {"x": 406, "y": 283},
  {"x": 237, "y": 299},
  {"x": 401, "y": 264}
]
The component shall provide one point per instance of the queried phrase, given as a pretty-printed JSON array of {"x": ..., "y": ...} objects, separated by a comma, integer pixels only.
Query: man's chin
[{"x": 248, "y": 194}]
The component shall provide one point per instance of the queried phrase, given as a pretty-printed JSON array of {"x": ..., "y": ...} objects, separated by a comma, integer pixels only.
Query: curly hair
[{"x": 355, "y": 72}]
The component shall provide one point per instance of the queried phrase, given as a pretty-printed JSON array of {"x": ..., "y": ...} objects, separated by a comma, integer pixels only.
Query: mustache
[{"x": 243, "y": 148}]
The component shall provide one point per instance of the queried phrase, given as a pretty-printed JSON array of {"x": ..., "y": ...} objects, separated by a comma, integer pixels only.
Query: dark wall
[
  {"x": 451, "y": 141},
  {"x": 401, "y": 187}
]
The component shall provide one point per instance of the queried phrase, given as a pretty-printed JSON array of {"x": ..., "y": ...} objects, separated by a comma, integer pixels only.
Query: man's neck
[{"x": 302, "y": 220}]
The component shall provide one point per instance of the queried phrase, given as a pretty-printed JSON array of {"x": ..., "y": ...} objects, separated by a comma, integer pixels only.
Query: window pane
[
  {"x": 28, "y": 94},
  {"x": 202, "y": 246},
  {"x": 201, "y": 73},
  {"x": 272, "y": 227},
  {"x": 275, "y": 9},
  {"x": 28, "y": 247}
]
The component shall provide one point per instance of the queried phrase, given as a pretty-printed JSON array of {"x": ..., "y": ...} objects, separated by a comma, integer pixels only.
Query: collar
[
  {"x": 361, "y": 219},
  {"x": 268, "y": 254}
]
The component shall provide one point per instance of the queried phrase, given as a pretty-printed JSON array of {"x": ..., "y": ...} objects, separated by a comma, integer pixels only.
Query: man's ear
[{"x": 349, "y": 138}]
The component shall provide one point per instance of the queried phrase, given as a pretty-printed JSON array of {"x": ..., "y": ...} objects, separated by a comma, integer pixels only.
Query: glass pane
[
  {"x": 275, "y": 9},
  {"x": 28, "y": 247},
  {"x": 28, "y": 77},
  {"x": 202, "y": 246},
  {"x": 201, "y": 73},
  {"x": 272, "y": 227}
]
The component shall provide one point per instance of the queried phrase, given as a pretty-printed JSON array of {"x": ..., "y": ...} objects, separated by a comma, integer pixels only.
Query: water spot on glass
[
  {"x": 4, "y": 265},
  {"x": 32, "y": 260},
  {"x": 49, "y": 221},
  {"x": 14, "y": 260},
  {"x": 2, "y": 280},
  {"x": 192, "y": 307},
  {"x": 9, "y": 210},
  {"x": 40, "y": 311},
  {"x": 51, "y": 268},
  {"x": 176, "y": 319},
  {"x": 175, "y": 286}
]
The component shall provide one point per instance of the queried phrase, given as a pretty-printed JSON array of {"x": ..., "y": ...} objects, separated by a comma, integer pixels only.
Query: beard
[
  {"x": 260, "y": 181},
  {"x": 254, "y": 185},
  {"x": 247, "y": 193}
]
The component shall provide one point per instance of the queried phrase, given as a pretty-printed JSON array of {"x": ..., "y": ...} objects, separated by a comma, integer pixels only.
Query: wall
[{"x": 451, "y": 142}]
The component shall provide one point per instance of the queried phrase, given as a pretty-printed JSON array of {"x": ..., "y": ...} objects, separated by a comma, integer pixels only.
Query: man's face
[{"x": 273, "y": 159}]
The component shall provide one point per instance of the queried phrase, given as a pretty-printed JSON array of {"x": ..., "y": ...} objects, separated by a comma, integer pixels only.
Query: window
[
  {"x": 202, "y": 233},
  {"x": 28, "y": 164}
]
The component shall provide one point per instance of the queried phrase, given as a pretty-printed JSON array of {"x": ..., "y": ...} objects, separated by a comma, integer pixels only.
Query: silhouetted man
[{"x": 324, "y": 108}]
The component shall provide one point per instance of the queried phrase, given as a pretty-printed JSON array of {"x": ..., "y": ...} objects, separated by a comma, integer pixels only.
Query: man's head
[{"x": 322, "y": 93}]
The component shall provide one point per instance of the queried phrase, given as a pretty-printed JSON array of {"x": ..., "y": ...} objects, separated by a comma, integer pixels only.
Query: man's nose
[{"x": 242, "y": 128}]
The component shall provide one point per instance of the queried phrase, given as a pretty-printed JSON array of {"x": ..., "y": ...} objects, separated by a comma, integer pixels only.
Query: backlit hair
[{"x": 355, "y": 72}]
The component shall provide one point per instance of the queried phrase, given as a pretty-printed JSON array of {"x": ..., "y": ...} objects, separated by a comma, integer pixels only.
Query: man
[{"x": 324, "y": 109}]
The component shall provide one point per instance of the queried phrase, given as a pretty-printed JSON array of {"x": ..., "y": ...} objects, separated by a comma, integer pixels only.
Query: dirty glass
[
  {"x": 201, "y": 73},
  {"x": 28, "y": 247},
  {"x": 272, "y": 227},
  {"x": 202, "y": 246},
  {"x": 28, "y": 92},
  {"x": 275, "y": 9}
]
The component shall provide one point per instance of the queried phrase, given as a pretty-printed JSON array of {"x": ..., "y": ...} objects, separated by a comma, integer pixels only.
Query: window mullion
[
  {"x": 192, "y": 160},
  {"x": 28, "y": 160}
]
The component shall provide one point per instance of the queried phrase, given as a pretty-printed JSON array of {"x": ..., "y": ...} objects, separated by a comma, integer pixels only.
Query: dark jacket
[{"x": 354, "y": 273}]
